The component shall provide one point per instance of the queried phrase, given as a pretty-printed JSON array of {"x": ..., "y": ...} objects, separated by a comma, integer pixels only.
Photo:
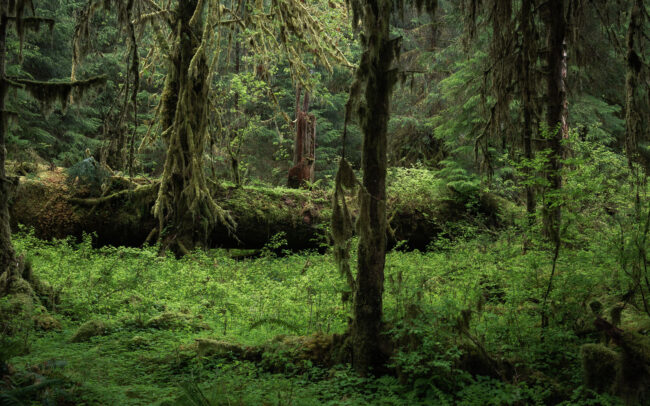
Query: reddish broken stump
[{"x": 304, "y": 151}]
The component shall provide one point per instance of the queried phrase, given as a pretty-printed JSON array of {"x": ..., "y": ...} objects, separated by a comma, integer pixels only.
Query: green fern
[
  {"x": 193, "y": 396},
  {"x": 15, "y": 397}
]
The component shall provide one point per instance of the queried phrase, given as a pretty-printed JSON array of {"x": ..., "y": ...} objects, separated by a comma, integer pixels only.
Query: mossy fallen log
[{"x": 55, "y": 209}]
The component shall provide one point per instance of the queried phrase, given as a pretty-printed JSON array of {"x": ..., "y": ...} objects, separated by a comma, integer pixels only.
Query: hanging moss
[
  {"x": 48, "y": 93},
  {"x": 185, "y": 209},
  {"x": 341, "y": 224},
  {"x": 33, "y": 24}
]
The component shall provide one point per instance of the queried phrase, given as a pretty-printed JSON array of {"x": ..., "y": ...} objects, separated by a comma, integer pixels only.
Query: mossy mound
[
  {"x": 175, "y": 321},
  {"x": 207, "y": 347},
  {"x": 46, "y": 322},
  {"x": 14, "y": 310},
  {"x": 138, "y": 342},
  {"x": 89, "y": 329}
]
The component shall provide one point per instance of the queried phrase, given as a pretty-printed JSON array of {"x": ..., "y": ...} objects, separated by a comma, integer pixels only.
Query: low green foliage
[{"x": 461, "y": 314}]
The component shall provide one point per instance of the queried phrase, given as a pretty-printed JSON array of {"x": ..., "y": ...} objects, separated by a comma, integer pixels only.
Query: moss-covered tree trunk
[
  {"x": 376, "y": 62},
  {"x": 184, "y": 207},
  {"x": 636, "y": 117},
  {"x": 556, "y": 111},
  {"x": 8, "y": 265}
]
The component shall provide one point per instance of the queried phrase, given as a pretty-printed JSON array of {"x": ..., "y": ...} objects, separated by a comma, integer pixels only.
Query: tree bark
[
  {"x": 8, "y": 262},
  {"x": 376, "y": 61},
  {"x": 634, "y": 112},
  {"x": 304, "y": 153},
  {"x": 556, "y": 112},
  {"x": 184, "y": 207}
]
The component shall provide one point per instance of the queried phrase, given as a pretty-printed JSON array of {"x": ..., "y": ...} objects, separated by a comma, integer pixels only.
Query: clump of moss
[
  {"x": 89, "y": 329},
  {"x": 599, "y": 366},
  {"x": 21, "y": 287}
]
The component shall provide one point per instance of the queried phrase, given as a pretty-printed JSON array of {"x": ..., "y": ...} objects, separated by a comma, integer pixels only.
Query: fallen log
[{"x": 122, "y": 217}]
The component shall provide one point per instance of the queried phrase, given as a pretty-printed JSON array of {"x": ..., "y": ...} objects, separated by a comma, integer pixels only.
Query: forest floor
[{"x": 128, "y": 323}]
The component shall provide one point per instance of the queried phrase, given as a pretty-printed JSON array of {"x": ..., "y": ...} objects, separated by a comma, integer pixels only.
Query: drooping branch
[{"x": 47, "y": 93}]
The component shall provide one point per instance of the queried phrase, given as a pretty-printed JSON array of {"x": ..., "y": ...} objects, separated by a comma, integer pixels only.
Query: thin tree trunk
[
  {"x": 379, "y": 52},
  {"x": 527, "y": 96},
  {"x": 3, "y": 94},
  {"x": 556, "y": 104},
  {"x": 8, "y": 264},
  {"x": 234, "y": 155}
]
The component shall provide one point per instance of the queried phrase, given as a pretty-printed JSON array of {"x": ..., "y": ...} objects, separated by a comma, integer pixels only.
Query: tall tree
[
  {"x": 370, "y": 95},
  {"x": 13, "y": 13}
]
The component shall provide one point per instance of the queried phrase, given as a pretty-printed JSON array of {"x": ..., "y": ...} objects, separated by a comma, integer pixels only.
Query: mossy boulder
[
  {"x": 22, "y": 287},
  {"x": 176, "y": 321},
  {"x": 46, "y": 322},
  {"x": 599, "y": 367},
  {"x": 207, "y": 347},
  {"x": 89, "y": 329},
  {"x": 16, "y": 311}
]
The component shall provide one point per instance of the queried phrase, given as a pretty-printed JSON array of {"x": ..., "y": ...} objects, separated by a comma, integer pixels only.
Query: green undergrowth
[{"x": 142, "y": 314}]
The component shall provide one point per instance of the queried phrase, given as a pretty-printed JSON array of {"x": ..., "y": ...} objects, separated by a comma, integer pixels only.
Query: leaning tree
[{"x": 19, "y": 15}]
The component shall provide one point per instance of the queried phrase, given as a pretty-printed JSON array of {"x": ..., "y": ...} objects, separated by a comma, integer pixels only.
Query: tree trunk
[
  {"x": 634, "y": 90},
  {"x": 234, "y": 155},
  {"x": 8, "y": 263},
  {"x": 556, "y": 112},
  {"x": 527, "y": 99},
  {"x": 185, "y": 209},
  {"x": 376, "y": 61}
]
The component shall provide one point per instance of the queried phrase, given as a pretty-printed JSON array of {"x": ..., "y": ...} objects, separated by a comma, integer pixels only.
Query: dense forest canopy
[{"x": 216, "y": 202}]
